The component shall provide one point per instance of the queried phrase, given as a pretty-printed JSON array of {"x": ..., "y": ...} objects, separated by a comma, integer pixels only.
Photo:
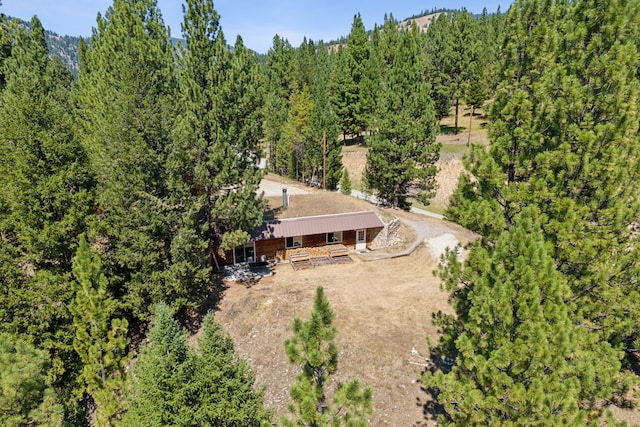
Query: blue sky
[{"x": 256, "y": 21}]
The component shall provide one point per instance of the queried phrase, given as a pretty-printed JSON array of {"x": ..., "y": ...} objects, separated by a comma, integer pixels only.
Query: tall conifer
[
  {"x": 125, "y": 115},
  {"x": 215, "y": 152},
  {"x": 403, "y": 150},
  {"x": 519, "y": 358},
  {"x": 565, "y": 139},
  {"x": 45, "y": 199}
]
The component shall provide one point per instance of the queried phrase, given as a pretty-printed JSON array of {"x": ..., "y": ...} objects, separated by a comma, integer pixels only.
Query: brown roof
[{"x": 320, "y": 224}]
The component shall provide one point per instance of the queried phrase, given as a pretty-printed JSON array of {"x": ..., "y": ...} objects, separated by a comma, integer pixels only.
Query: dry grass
[
  {"x": 383, "y": 311},
  {"x": 454, "y": 147},
  {"x": 317, "y": 203}
]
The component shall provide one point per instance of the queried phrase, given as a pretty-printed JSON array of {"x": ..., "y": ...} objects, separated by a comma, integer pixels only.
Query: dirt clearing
[{"x": 383, "y": 314}]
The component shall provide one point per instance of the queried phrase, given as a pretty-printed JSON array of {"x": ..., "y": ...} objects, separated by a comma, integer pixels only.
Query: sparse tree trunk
[
  {"x": 470, "y": 121},
  {"x": 455, "y": 126}
]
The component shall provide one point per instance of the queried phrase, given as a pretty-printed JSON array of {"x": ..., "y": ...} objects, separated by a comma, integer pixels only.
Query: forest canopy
[{"x": 126, "y": 181}]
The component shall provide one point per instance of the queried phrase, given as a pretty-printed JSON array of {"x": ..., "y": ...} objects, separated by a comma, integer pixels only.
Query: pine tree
[
  {"x": 465, "y": 60},
  {"x": 158, "y": 378},
  {"x": 101, "y": 340},
  {"x": 564, "y": 139},
  {"x": 358, "y": 51},
  {"x": 403, "y": 151},
  {"x": 345, "y": 183},
  {"x": 305, "y": 64},
  {"x": 519, "y": 358},
  {"x": 294, "y": 142},
  {"x": 324, "y": 123},
  {"x": 45, "y": 199},
  {"x": 279, "y": 74},
  {"x": 349, "y": 82},
  {"x": 26, "y": 396},
  {"x": 223, "y": 383},
  {"x": 370, "y": 89},
  {"x": 125, "y": 115},
  {"x": 173, "y": 384},
  {"x": 312, "y": 347},
  {"x": 214, "y": 155},
  {"x": 343, "y": 92},
  {"x": 439, "y": 45}
]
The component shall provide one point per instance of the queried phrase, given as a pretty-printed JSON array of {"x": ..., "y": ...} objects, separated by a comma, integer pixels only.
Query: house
[{"x": 274, "y": 238}]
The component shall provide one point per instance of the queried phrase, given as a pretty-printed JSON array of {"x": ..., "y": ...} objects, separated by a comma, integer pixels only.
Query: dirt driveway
[{"x": 383, "y": 315}]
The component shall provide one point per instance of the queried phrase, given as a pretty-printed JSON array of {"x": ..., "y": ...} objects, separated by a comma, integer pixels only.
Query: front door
[{"x": 361, "y": 239}]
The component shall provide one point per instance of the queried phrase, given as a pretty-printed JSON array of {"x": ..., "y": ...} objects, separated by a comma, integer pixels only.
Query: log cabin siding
[
  {"x": 270, "y": 248},
  {"x": 270, "y": 238}
]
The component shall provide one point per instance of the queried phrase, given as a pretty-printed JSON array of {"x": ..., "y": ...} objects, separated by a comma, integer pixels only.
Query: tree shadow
[
  {"x": 271, "y": 213},
  {"x": 451, "y": 130},
  {"x": 191, "y": 318},
  {"x": 358, "y": 141},
  {"x": 431, "y": 407}
]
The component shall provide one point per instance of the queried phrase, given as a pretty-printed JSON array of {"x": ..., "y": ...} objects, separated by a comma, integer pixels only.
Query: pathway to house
[
  {"x": 373, "y": 199},
  {"x": 274, "y": 189},
  {"x": 435, "y": 233}
]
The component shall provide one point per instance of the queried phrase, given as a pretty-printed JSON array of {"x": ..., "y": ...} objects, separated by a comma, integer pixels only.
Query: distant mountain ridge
[{"x": 66, "y": 47}]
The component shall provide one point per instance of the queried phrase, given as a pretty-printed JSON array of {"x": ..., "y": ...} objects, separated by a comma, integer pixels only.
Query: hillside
[{"x": 66, "y": 47}]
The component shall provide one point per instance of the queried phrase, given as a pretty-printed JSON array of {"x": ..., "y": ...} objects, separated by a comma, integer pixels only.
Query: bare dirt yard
[{"x": 383, "y": 316}]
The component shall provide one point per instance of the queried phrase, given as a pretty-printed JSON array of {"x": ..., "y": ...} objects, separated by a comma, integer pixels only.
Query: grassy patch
[{"x": 454, "y": 148}]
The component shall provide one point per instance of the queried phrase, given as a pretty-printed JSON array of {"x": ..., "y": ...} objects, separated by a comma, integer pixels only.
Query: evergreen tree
[
  {"x": 158, "y": 378},
  {"x": 439, "y": 45},
  {"x": 312, "y": 346},
  {"x": 343, "y": 92},
  {"x": 465, "y": 61},
  {"x": 349, "y": 81},
  {"x": 490, "y": 36},
  {"x": 345, "y": 183},
  {"x": 44, "y": 202},
  {"x": 565, "y": 139},
  {"x": 124, "y": 95},
  {"x": 370, "y": 89},
  {"x": 173, "y": 384},
  {"x": 223, "y": 383},
  {"x": 403, "y": 151},
  {"x": 101, "y": 340},
  {"x": 324, "y": 122},
  {"x": 358, "y": 56},
  {"x": 305, "y": 64},
  {"x": 215, "y": 152},
  {"x": 293, "y": 144},
  {"x": 280, "y": 85},
  {"x": 26, "y": 396},
  {"x": 519, "y": 358},
  {"x": 275, "y": 115}
]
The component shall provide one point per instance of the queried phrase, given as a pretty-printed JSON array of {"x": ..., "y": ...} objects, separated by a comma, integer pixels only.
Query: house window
[
  {"x": 293, "y": 242},
  {"x": 335, "y": 237}
]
